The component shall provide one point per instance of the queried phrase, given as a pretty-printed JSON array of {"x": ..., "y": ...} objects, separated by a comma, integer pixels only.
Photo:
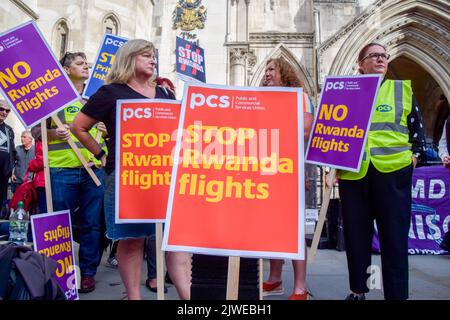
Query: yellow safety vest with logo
[
  {"x": 60, "y": 154},
  {"x": 387, "y": 146}
]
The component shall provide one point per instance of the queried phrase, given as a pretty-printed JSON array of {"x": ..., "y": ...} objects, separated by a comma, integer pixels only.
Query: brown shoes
[{"x": 87, "y": 284}]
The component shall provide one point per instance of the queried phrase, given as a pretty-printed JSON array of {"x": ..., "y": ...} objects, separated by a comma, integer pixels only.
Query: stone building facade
[{"x": 318, "y": 37}]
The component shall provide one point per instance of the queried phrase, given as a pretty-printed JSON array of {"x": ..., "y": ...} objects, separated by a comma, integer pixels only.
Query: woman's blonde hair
[{"x": 124, "y": 66}]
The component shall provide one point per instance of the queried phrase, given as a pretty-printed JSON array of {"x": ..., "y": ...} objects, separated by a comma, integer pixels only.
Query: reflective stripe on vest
[
  {"x": 387, "y": 146},
  {"x": 60, "y": 154}
]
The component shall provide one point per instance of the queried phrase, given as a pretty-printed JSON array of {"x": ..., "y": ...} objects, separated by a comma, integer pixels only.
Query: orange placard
[
  {"x": 145, "y": 139},
  {"x": 237, "y": 188}
]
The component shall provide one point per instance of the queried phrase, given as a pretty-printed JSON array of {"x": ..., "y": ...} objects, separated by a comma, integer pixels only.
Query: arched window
[
  {"x": 61, "y": 38},
  {"x": 111, "y": 25}
]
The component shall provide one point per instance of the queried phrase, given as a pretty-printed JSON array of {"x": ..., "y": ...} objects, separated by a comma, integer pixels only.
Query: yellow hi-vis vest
[
  {"x": 387, "y": 145},
  {"x": 60, "y": 154}
]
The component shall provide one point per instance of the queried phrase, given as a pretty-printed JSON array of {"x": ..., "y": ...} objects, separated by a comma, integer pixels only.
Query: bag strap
[{"x": 5, "y": 269}]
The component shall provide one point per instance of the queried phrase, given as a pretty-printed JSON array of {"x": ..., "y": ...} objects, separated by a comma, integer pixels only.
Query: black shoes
[
  {"x": 354, "y": 297},
  {"x": 153, "y": 289},
  {"x": 445, "y": 244}
]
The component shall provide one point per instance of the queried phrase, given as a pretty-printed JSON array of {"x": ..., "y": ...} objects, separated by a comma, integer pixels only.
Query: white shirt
[{"x": 443, "y": 151}]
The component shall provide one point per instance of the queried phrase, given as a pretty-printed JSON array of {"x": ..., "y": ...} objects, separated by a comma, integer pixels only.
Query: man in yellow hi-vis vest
[
  {"x": 381, "y": 190},
  {"x": 72, "y": 187}
]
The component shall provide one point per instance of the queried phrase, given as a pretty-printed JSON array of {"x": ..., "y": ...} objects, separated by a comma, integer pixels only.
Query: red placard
[
  {"x": 238, "y": 187},
  {"x": 145, "y": 139}
]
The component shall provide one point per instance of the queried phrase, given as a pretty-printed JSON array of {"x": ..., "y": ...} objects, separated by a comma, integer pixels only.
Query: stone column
[{"x": 238, "y": 56}]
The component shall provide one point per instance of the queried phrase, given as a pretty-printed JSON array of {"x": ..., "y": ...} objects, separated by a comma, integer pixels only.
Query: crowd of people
[{"x": 380, "y": 191}]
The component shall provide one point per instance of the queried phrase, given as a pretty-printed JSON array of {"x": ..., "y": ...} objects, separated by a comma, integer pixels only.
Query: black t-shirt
[
  {"x": 7, "y": 150},
  {"x": 102, "y": 107}
]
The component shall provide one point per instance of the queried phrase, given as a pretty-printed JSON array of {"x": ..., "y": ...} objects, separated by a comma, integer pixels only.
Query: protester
[
  {"x": 7, "y": 153},
  {"x": 112, "y": 258},
  {"x": 130, "y": 78},
  {"x": 36, "y": 166},
  {"x": 381, "y": 190},
  {"x": 444, "y": 151},
  {"x": 24, "y": 153},
  {"x": 279, "y": 73},
  {"x": 72, "y": 186},
  {"x": 165, "y": 83}
]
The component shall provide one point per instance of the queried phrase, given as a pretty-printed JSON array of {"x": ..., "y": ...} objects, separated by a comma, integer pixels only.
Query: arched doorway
[
  {"x": 415, "y": 34},
  {"x": 426, "y": 90},
  {"x": 282, "y": 51}
]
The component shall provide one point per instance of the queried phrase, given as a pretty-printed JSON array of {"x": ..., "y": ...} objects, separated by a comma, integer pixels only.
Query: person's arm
[
  {"x": 37, "y": 164},
  {"x": 308, "y": 120},
  {"x": 416, "y": 133},
  {"x": 80, "y": 129},
  {"x": 308, "y": 116},
  {"x": 16, "y": 162},
  {"x": 58, "y": 133}
]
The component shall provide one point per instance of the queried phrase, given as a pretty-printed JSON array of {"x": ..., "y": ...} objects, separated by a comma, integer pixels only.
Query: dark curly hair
[{"x": 288, "y": 76}]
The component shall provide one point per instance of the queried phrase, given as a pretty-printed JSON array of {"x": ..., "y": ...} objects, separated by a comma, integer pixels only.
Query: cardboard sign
[
  {"x": 238, "y": 152},
  {"x": 340, "y": 128},
  {"x": 52, "y": 236},
  {"x": 31, "y": 79},
  {"x": 190, "y": 61},
  {"x": 145, "y": 139},
  {"x": 103, "y": 62}
]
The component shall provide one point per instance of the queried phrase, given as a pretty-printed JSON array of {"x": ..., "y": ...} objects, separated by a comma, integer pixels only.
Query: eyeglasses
[
  {"x": 376, "y": 55},
  {"x": 5, "y": 110}
]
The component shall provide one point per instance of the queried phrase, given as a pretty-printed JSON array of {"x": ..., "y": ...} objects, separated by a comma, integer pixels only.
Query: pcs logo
[
  {"x": 115, "y": 42},
  {"x": 212, "y": 101},
  {"x": 73, "y": 109},
  {"x": 339, "y": 85},
  {"x": 384, "y": 108}
]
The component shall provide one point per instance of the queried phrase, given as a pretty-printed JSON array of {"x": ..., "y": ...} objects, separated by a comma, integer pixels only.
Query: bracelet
[{"x": 100, "y": 155}]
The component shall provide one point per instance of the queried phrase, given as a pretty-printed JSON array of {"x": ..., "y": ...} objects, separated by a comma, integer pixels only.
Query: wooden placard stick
[
  {"x": 261, "y": 278},
  {"x": 322, "y": 216},
  {"x": 48, "y": 184},
  {"x": 233, "y": 278},
  {"x": 78, "y": 153},
  {"x": 159, "y": 263}
]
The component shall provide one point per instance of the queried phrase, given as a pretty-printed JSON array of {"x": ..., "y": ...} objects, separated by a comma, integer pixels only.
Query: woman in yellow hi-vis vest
[{"x": 381, "y": 190}]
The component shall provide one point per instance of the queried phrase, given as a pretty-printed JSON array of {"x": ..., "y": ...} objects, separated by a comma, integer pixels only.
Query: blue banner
[
  {"x": 190, "y": 61},
  {"x": 103, "y": 62}
]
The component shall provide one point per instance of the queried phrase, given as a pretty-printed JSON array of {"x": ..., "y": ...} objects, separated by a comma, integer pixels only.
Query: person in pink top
[{"x": 37, "y": 167}]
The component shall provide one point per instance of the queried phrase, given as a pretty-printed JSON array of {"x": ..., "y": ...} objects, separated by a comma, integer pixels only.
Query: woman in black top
[{"x": 130, "y": 78}]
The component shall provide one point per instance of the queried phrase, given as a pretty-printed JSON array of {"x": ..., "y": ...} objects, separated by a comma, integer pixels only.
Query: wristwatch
[{"x": 100, "y": 155}]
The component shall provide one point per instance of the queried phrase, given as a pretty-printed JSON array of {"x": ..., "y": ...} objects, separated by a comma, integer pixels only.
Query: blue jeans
[{"x": 74, "y": 189}]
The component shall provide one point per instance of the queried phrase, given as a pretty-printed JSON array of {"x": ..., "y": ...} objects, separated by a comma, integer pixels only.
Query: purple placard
[
  {"x": 430, "y": 212},
  {"x": 52, "y": 236},
  {"x": 343, "y": 116},
  {"x": 31, "y": 78}
]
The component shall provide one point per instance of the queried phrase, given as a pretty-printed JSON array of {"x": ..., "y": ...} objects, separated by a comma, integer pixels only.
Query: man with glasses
[{"x": 7, "y": 152}]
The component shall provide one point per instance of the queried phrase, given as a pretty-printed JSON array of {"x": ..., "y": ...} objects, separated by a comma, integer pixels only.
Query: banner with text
[
  {"x": 238, "y": 151},
  {"x": 31, "y": 78},
  {"x": 145, "y": 139},
  {"x": 190, "y": 61},
  {"x": 103, "y": 62},
  {"x": 430, "y": 212},
  {"x": 342, "y": 121},
  {"x": 52, "y": 236}
]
